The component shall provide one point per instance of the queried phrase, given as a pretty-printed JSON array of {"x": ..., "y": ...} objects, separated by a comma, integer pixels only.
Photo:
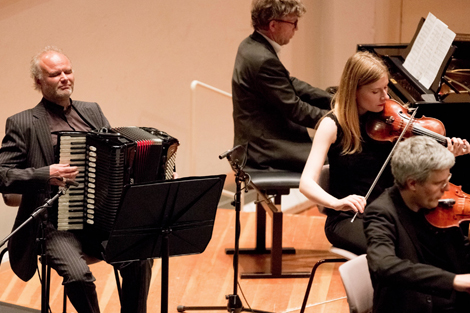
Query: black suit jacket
[
  {"x": 25, "y": 156},
  {"x": 402, "y": 280},
  {"x": 271, "y": 110}
]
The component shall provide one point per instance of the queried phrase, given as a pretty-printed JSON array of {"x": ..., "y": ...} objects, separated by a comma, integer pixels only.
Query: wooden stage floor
[{"x": 205, "y": 279}]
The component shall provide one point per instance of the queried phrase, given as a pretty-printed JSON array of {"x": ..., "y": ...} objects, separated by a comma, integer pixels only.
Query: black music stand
[{"x": 174, "y": 217}]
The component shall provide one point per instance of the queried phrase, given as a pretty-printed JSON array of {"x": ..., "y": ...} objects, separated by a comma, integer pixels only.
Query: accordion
[{"x": 108, "y": 161}]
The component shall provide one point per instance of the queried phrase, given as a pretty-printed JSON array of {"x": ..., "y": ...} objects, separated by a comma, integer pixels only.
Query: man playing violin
[{"x": 414, "y": 266}]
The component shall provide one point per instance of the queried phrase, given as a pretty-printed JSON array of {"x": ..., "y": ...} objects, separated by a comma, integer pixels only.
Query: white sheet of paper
[{"x": 429, "y": 50}]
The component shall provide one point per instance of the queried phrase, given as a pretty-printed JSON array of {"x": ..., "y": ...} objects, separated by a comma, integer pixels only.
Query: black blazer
[
  {"x": 25, "y": 156},
  {"x": 271, "y": 110},
  {"x": 401, "y": 279}
]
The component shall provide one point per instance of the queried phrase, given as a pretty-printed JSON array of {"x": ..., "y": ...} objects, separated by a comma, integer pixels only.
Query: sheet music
[{"x": 429, "y": 50}]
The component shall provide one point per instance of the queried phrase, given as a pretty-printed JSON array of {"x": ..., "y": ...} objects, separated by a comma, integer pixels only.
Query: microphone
[
  {"x": 69, "y": 182},
  {"x": 236, "y": 157},
  {"x": 228, "y": 153}
]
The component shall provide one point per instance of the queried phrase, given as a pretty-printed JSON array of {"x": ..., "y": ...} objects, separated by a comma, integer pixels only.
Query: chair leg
[
  {"x": 64, "y": 304},
  {"x": 47, "y": 282},
  {"x": 118, "y": 284},
  {"x": 310, "y": 281}
]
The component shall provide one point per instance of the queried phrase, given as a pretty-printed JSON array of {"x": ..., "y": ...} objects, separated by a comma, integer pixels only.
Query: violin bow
[{"x": 387, "y": 160}]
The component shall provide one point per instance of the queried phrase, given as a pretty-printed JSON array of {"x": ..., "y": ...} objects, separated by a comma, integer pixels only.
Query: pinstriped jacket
[{"x": 25, "y": 156}]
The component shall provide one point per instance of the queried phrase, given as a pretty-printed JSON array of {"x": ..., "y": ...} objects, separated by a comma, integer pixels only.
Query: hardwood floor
[{"x": 205, "y": 279}]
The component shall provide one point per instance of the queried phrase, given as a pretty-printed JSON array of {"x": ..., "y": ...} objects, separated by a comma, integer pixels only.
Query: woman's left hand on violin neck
[{"x": 458, "y": 146}]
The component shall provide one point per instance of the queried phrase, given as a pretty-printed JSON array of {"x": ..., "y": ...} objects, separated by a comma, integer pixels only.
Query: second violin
[{"x": 453, "y": 208}]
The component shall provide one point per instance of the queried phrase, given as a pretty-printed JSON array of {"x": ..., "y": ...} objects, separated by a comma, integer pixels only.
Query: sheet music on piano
[{"x": 429, "y": 50}]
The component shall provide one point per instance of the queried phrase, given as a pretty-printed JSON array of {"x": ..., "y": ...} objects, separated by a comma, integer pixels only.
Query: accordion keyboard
[{"x": 71, "y": 205}]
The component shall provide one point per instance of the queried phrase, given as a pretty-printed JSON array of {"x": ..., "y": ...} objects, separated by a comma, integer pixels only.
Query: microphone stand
[
  {"x": 42, "y": 242},
  {"x": 234, "y": 304}
]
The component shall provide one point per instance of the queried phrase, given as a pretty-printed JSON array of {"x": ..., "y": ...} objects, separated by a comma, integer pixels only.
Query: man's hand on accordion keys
[{"x": 63, "y": 174}]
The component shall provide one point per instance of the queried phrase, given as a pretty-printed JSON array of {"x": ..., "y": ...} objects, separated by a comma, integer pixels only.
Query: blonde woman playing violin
[{"x": 354, "y": 158}]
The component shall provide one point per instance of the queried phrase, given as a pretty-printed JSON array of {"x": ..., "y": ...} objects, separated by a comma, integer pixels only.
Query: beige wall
[
  {"x": 454, "y": 13},
  {"x": 137, "y": 59}
]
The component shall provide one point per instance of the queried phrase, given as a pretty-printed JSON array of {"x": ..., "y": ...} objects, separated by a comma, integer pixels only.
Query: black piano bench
[{"x": 269, "y": 187}]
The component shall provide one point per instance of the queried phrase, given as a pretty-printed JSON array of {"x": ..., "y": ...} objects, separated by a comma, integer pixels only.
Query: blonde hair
[{"x": 361, "y": 69}]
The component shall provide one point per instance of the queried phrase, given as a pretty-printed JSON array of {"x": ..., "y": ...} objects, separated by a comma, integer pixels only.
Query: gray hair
[
  {"x": 264, "y": 11},
  {"x": 417, "y": 157},
  {"x": 35, "y": 68}
]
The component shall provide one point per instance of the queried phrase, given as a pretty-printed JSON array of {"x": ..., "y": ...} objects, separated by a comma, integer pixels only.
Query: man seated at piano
[
  {"x": 355, "y": 159},
  {"x": 415, "y": 266},
  {"x": 28, "y": 168},
  {"x": 271, "y": 109}
]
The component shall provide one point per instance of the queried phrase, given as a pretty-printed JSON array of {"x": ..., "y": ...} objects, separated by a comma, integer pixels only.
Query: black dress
[{"x": 354, "y": 174}]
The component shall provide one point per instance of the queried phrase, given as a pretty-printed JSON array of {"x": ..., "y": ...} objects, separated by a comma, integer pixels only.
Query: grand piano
[{"x": 448, "y": 98}]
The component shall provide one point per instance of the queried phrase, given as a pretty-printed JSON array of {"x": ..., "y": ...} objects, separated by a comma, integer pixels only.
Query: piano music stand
[
  {"x": 163, "y": 219},
  {"x": 437, "y": 83}
]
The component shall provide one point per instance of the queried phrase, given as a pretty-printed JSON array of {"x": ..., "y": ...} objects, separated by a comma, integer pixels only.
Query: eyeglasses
[
  {"x": 444, "y": 185},
  {"x": 292, "y": 23}
]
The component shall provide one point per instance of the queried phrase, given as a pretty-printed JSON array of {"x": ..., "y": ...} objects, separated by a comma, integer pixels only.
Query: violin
[
  {"x": 393, "y": 123},
  {"x": 453, "y": 208},
  {"x": 389, "y": 124}
]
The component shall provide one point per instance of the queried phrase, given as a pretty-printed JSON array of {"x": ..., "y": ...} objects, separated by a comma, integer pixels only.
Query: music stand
[
  {"x": 237, "y": 159},
  {"x": 175, "y": 217}
]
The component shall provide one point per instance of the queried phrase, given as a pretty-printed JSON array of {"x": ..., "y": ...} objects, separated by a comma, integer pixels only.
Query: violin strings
[
  {"x": 425, "y": 132},
  {"x": 419, "y": 130}
]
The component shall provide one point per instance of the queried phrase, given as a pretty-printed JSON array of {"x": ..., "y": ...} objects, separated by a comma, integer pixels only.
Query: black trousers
[
  {"x": 65, "y": 250},
  {"x": 343, "y": 234}
]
